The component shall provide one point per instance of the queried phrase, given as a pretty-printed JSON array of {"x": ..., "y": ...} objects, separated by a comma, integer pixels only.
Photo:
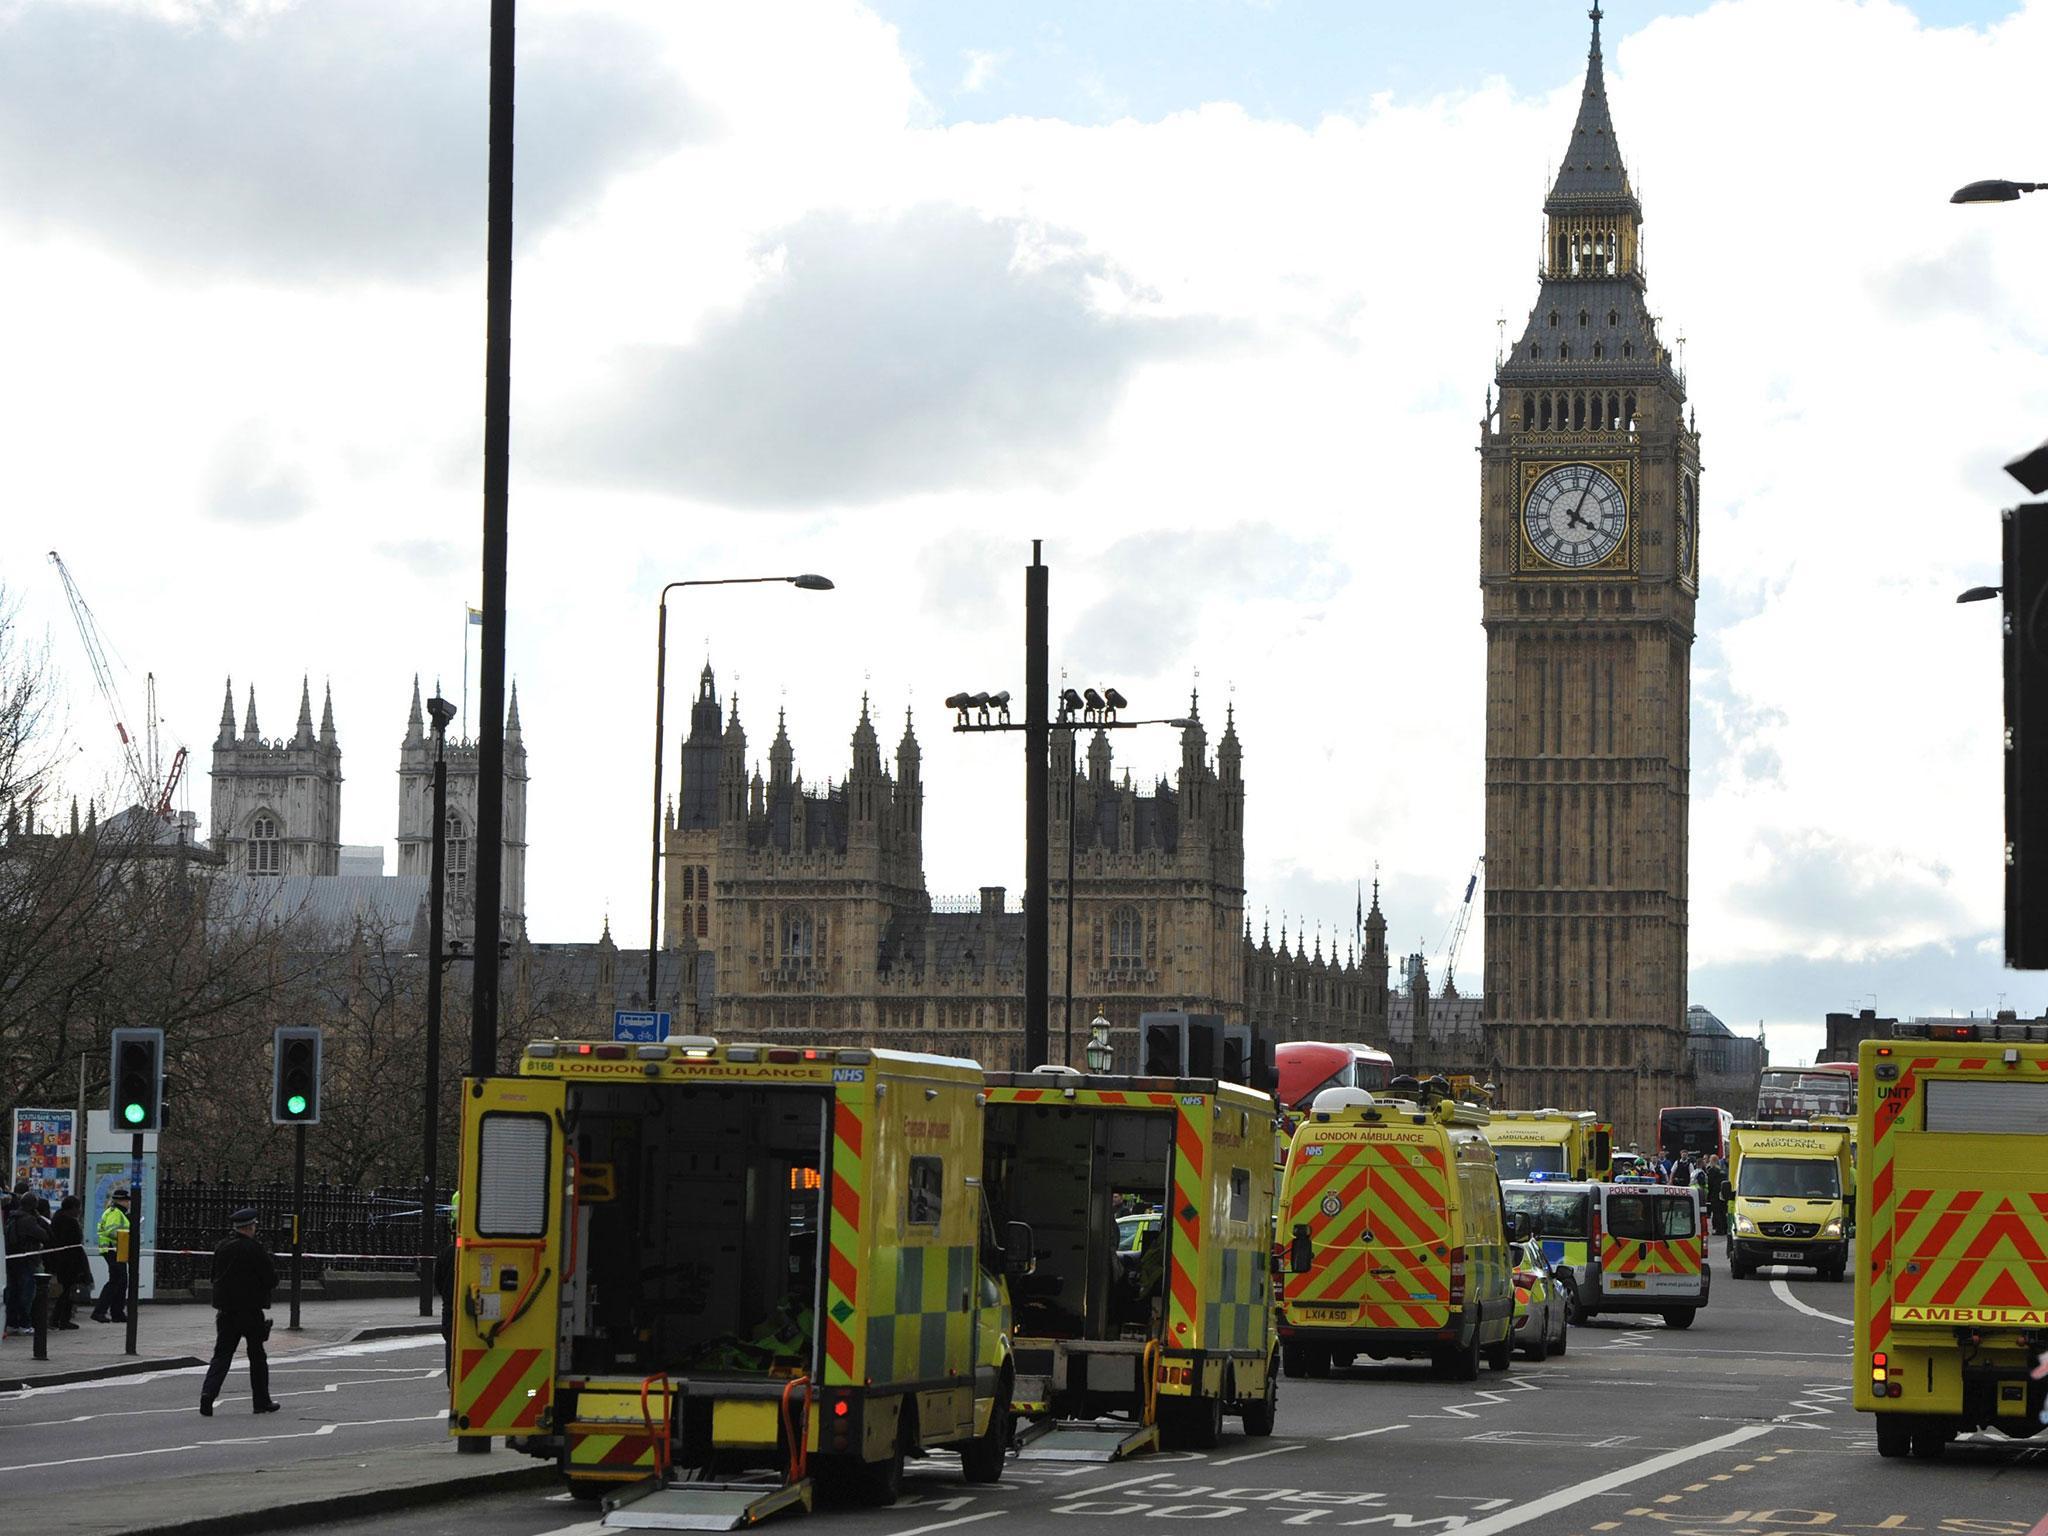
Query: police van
[{"x": 1653, "y": 1252}]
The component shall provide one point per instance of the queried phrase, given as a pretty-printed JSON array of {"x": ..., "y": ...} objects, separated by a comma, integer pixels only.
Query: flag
[{"x": 476, "y": 615}]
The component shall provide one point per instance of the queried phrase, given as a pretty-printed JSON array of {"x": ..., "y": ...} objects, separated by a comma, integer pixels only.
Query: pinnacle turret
[
  {"x": 249, "y": 731},
  {"x": 1592, "y": 170},
  {"x": 327, "y": 738},
  {"x": 415, "y": 723},
  {"x": 303, "y": 735},
  {"x": 226, "y": 738}
]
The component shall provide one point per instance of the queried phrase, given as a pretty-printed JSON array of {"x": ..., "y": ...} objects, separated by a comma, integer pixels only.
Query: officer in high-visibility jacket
[{"x": 112, "y": 1306}]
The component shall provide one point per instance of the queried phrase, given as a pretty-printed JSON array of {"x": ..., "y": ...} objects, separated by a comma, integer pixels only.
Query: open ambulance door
[{"x": 508, "y": 1257}]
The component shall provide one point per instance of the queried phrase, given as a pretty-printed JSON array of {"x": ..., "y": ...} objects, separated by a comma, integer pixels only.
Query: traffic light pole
[
  {"x": 134, "y": 1307},
  {"x": 430, "y": 1226},
  {"x": 298, "y": 1216}
]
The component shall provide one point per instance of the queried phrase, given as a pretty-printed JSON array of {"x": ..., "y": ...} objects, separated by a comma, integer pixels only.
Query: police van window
[
  {"x": 1557, "y": 1212},
  {"x": 512, "y": 1175},
  {"x": 927, "y": 1189},
  {"x": 1650, "y": 1218},
  {"x": 1240, "y": 1194}
]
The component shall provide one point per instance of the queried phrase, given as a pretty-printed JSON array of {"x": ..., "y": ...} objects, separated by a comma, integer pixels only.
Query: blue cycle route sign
[{"x": 639, "y": 1028}]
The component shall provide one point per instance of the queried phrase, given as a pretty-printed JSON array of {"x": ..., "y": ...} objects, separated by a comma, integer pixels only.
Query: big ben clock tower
[{"x": 1588, "y": 570}]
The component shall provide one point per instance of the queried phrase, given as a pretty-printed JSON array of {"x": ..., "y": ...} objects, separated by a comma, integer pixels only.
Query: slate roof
[
  {"x": 388, "y": 907},
  {"x": 1628, "y": 348},
  {"x": 1593, "y": 171},
  {"x": 962, "y": 941},
  {"x": 565, "y": 975}
]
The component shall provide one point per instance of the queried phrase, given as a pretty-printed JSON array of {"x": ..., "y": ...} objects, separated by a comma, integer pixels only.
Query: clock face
[
  {"x": 1688, "y": 514},
  {"x": 1575, "y": 516}
]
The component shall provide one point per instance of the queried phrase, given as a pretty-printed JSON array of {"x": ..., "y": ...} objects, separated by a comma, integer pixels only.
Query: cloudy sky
[{"x": 1204, "y": 293}]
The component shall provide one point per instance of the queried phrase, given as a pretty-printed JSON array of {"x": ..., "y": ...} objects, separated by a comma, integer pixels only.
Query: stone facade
[
  {"x": 1588, "y": 573},
  {"x": 816, "y": 922},
  {"x": 416, "y": 817},
  {"x": 277, "y": 804}
]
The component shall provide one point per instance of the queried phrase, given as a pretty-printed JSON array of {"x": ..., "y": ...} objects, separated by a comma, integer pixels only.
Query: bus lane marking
[
  {"x": 1360, "y": 1434},
  {"x": 1278, "y": 1450},
  {"x": 946, "y": 1525}
]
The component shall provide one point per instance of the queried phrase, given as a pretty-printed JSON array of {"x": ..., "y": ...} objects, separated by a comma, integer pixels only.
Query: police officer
[
  {"x": 112, "y": 1306},
  {"x": 243, "y": 1278}
]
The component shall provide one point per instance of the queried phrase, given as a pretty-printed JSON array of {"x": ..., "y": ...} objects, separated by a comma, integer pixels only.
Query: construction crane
[
  {"x": 1454, "y": 940},
  {"x": 154, "y": 785}
]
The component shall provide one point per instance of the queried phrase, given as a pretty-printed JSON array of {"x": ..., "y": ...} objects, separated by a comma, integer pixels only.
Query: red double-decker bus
[
  {"x": 1802, "y": 1093},
  {"x": 1306, "y": 1067}
]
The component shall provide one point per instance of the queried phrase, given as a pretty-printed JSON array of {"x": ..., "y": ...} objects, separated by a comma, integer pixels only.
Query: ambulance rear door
[{"x": 508, "y": 1267}]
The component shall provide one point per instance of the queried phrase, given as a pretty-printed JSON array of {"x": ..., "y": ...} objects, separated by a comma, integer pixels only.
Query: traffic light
[
  {"x": 136, "y": 1076},
  {"x": 2026, "y": 736},
  {"x": 295, "y": 1077}
]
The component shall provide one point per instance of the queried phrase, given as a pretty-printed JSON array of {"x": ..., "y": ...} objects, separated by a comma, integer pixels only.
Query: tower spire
[
  {"x": 226, "y": 738},
  {"x": 1592, "y": 165}
]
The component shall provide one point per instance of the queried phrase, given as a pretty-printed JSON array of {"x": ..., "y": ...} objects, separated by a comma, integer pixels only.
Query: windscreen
[
  {"x": 1556, "y": 1212},
  {"x": 1650, "y": 1218},
  {"x": 1788, "y": 1178},
  {"x": 1694, "y": 1131},
  {"x": 1520, "y": 1162}
]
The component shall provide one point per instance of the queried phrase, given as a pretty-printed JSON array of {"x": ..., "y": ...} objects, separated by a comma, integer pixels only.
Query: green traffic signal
[
  {"x": 134, "y": 1114},
  {"x": 296, "y": 1103}
]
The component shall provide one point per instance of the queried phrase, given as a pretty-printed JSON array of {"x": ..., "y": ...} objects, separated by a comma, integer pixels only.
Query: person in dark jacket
[
  {"x": 68, "y": 1268},
  {"x": 243, "y": 1278},
  {"x": 27, "y": 1234}
]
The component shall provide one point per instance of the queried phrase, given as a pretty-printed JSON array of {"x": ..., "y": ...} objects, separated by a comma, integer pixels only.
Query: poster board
[
  {"x": 108, "y": 1167},
  {"x": 45, "y": 1152}
]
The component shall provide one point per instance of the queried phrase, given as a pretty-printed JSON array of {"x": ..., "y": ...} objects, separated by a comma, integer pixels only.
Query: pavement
[
  {"x": 1739, "y": 1426},
  {"x": 173, "y": 1334}
]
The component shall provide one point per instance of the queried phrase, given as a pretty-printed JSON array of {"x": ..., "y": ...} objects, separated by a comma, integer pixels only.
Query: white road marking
[
  {"x": 1278, "y": 1450},
  {"x": 1129, "y": 1482},
  {"x": 318, "y": 1432},
  {"x": 1578, "y": 1493},
  {"x": 944, "y": 1525},
  {"x": 1360, "y": 1434},
  {"x": 1784, "y": 1293}
]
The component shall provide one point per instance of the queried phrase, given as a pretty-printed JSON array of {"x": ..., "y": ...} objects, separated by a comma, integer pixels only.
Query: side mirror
[
  {"x": 1020, "y": 1257},
  {"x": 1301, "y": 1253}
]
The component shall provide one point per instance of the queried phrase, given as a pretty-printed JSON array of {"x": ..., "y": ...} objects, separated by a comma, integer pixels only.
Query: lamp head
[
  {"x": 1991, "y": 192},
  {"x": 810, "y": 582},
  {"x": 441, "y": 712},
  {"x": 1977, "y": 594}
]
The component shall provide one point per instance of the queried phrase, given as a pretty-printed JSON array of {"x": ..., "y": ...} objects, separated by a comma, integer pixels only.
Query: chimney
[{"x": 991, "y": 901}]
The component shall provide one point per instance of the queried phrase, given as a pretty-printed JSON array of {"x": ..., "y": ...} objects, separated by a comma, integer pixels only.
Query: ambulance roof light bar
[{"x": 1969, "y": 1029}]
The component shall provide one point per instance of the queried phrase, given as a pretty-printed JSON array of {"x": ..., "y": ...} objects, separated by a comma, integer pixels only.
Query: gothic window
[
  {"x": 1578, "y": 413},
  {"x": 1126, "y": 938},
  {"x": 689, "y": 881},
  {"x": 456, "y": 850},
  {"x": 266, "y": 847},
  {"x": 1598, "y": 351},
  {"x": 1628, "y": 412},
  {"x": 1564, "y": 351},
  {"x": 1553, "y": 319},
  {"x": 1546, "y": 413},
  {"x": 1584, "y": 319},
  {"x": 796, "y": 937},
  {"x": 1528, "y": 412},
  {"x": 703, "y": 921},
  {"x": 703, "y": 883},
  {"x": 1613, "y": 317},
  {"x": 1628, "y": 349}
]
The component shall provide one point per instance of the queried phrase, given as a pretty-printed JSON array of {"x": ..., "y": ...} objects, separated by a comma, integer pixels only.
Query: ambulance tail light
[
  {"x": 610, "y": 1052},
  {"x": 782, "y": 1055},
  {"x": 1457, "y": 1277}
]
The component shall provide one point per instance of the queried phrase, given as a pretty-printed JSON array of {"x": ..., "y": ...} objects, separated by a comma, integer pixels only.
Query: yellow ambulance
[
  {"x": 686, "y": 1258},
  {"x": 1789, "y": 1196},
  {"x": 1114, "y": 1357},
  {"x": 1564, "y": 1144},
  {"x": 1392, "y": 1226},
  {"x": 1952, "y": 1191}
]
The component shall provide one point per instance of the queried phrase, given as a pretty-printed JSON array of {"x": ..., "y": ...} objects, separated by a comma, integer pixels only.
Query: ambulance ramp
[
  {"x": 1086, "y": 1440},
  {"x": 703, "y": 1506}
]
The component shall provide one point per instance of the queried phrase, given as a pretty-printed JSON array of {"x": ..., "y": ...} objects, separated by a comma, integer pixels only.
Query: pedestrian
[
  {"x": 112, "y": 1306},
  {"x": 244, "y": 1276},
  {"x": 69, "y": 1271},
  {"x": 27, "y": 1235}
]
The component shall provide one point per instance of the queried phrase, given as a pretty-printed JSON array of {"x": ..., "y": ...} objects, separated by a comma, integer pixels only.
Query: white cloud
[
  {"x": 1229, "y": 368},
  {"x": 982, "y": 64}
]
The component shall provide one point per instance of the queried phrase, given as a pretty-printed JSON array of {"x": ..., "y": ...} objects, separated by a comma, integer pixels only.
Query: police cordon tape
[{"x": 207, "y": 1253}]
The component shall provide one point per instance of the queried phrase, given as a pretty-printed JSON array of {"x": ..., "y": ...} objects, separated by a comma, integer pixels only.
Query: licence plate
[
  {"x": 1626, "y": 1283},
  {"x": 1322, "y": 1314},
  {"x": 1788, "y": 1255}
]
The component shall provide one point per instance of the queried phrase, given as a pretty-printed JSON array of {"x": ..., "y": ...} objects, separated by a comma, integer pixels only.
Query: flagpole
[{"x": 466, "y": 625}]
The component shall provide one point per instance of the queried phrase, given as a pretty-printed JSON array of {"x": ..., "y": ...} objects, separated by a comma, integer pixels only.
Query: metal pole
[
  {"x": 298, "y": 1217},
  {"x": 78, "y": 1140},
  {"x": 490, "y": 766},
  {"x": 134, "y": 1239},
  {"x": 1037, "y": 861},
  {"x": 1073, "y": 779},
  {"x": 431, "y": 1126},
  {"x": 654, "y": 862}
]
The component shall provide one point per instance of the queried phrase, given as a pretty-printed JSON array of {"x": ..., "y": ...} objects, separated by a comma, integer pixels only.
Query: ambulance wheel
[
  {"x": 1500, "y": 1356},
  {"x": 1460, "y": 1364},
  {"x": 586, "y": 1492},
  {"x": 876, "y": 1484},
  {"x": 1930, "y": 1439},
  {"x": 1258, "y": 1413},
  {"x": 1678, "y": 1317},
  {"x": 1737, "y": 1270},
  {"x": 1832, "y": 1273},
  {"x": 1195, "y": 1424},
  {"x": 1894, "y": 1434},
  {"x": 981, "y": 1459}
]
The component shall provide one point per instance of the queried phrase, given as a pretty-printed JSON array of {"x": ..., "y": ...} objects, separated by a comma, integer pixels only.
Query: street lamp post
[
  {"x": 441, "y": 712},
  {"x": 807, "y": 582}
]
